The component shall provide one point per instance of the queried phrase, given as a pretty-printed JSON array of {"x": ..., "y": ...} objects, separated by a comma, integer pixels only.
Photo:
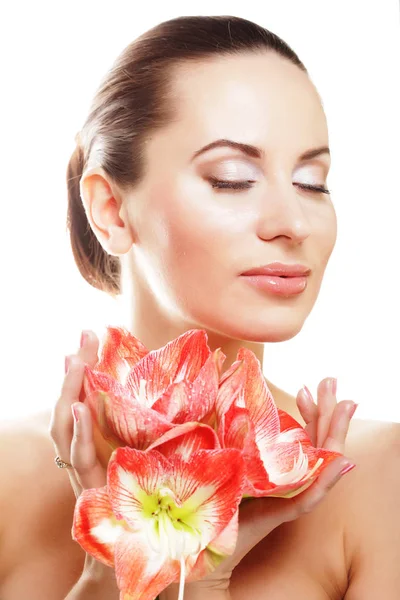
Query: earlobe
[
  {"x": 103, "y": 205},
  {"x": 119, "y": 241}
]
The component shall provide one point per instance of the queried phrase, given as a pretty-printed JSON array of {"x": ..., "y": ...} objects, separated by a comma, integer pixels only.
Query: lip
[
  {"x": 278, "y": 278},
  {"x": 278, "y": 269},
  {"x": 280, "y": 286}
]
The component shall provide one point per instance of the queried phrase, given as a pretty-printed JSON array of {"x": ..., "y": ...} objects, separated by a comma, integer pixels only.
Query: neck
[{"x": 155, "y": 325}]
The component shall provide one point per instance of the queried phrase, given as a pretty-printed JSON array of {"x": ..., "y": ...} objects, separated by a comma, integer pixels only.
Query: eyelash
[{"x": 244, "y": 185}]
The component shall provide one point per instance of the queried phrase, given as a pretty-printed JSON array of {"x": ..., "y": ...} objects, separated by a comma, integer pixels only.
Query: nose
[{"x": 282, "y": 213}]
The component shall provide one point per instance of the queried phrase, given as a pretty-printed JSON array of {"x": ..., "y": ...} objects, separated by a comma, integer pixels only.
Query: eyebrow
[{"x": 256, "y": 152}]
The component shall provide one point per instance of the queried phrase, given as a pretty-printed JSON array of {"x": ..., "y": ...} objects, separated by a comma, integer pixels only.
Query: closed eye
[
  {"x": 314, "y": 188},
  {"x": 243, "y": 185}
]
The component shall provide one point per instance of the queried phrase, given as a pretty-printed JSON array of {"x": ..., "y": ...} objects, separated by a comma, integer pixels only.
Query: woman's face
[{"x": 193, "y": 241}]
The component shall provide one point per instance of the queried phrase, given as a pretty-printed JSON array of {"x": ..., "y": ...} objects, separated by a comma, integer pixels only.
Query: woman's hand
[
  {"x": 327, "y": 424},
  {"x": 73, "y": 441}
]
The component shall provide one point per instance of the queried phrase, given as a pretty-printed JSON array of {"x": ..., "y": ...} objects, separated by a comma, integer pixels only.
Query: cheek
[
  {"x": 187, "y": 244},
  {"x": 325, "y": 234},
  {"x": 322, "y": 242}
]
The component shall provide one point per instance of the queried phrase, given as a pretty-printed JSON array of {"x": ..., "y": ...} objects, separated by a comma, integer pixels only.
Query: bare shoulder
[
  {"x": 362, "y": 430},
  {"x": 35, "y": 496},
  {"x": 372, "y": 524},
  {"x": 375, "y": 448},
  {"x": 25, "y": 452},
  {"x": 27, "y": 457},
  {"x": 348, "y": 547}
]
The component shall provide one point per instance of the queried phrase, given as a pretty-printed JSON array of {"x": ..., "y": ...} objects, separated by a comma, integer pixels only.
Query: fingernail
[
  {"x": 83, "y": 338},
  {"x": 347, "y": 468},
  {"x": 307, "y": 393},
  {"x": 333, "y": 385},
  {"x": 75, "y": 413},
  {"x": 352, "y": 410},
  {"x": 66, "y": 364}
]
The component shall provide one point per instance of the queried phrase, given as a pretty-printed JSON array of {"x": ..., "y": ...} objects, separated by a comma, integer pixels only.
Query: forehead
[{"x": 246, "y": 97}]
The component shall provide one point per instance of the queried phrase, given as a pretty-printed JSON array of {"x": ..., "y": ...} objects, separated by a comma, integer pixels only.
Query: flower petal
[
  {"x": 220, "y": 547},
  {"x": 182, "y": 358},
  {"x": 186, "y": 439},
  {"x": 119, "y": 352},
  {"x": 291, "y": 465},
  {"x": 231, "y": 384},
  {"x": 209, "y": 487},
  {"x": 177, "y": 507},
  {"x": 258, "y": 399},
  {"x": 240, "y": 434},
  {"x": 174, "y": 508},
  {"x": 205, "y": 388},
  {"x": 291, "y": 430},
  {"x": 133, "y": 478},
  {"x": 174, "y": 401},
  {"x": 140, "y": 572},
  {"x": 95, "y": 526},
  {"x": 121, "y": 420},
  {"x": 186, "y": 401}
]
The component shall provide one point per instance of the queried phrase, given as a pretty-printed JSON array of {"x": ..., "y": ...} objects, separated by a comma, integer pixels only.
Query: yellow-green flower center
[{"x": 171, "y": 526}]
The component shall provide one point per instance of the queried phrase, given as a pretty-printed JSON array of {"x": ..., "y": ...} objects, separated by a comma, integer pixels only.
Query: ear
[{"x": 106, "y": 211}]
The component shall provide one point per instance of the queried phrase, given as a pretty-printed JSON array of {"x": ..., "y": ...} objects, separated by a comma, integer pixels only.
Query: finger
[
  {"x": 309, "y": 411},
  {"x": 61, "y": 422},
  {"x": 339, "y": 426},
  {"x": 326, "y": 400},
  {"x": 61, "y": 426},
  {"x": 84, "y": 459},
  {"x": 259, "y": 516},
  {"x": 308, "y": 500},
  {"x": 88, "y": 353},
  {"x": 89, "y": 348}
]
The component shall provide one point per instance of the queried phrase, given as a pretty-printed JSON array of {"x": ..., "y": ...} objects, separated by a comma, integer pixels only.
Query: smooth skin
[{"x": 183, "y": 245}]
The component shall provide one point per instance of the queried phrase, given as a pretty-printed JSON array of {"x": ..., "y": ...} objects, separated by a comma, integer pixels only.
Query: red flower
[
  {"x": 279, "y": 456},
  {"x": 136, "y": 396},
  {"x": 157, "y": 516},
  {"x": 183, "y": 445}
]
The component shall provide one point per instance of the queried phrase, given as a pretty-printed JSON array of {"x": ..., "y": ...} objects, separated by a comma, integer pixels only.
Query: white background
[{"x": 53, "y": 57}]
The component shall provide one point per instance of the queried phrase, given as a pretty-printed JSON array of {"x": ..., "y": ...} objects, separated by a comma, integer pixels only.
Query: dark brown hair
[{"x": 134, "y": 100}]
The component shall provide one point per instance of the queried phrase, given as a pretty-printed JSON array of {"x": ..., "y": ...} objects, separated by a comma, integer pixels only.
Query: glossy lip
[
  {"x": 277, "y": 285},
  {"x": 278, "y": 269}
]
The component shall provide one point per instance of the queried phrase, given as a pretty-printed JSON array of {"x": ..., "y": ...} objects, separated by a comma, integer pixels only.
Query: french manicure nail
[
  {"x": 307, "y": 393},
  {"x": 83, "y": 338},
  {"x": 334, "y": 385},
  {"x": 75, "y": 413},
  {"x": 66, "y": 364},
  {"x": 347, "y": 468},
  {"x": 352, "y": 410}
]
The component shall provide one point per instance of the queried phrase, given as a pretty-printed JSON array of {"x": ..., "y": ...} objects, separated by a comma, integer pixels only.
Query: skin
[{"x": 183, "y": 246}]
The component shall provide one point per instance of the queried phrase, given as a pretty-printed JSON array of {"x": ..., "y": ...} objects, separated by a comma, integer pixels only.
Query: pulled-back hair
[{"x": 135, "y": 99}]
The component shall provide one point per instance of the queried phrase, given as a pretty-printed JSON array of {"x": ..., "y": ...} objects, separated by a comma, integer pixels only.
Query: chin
[
  {"x": 277, "y": 324},
  {"x": 257, "y": 330},
  {"x": 276, "y": 332},
  {"x": 280, "y": 334}
]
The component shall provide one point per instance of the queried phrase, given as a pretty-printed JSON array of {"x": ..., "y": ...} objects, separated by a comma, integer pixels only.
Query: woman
[{"x": 166, "y": 217}]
